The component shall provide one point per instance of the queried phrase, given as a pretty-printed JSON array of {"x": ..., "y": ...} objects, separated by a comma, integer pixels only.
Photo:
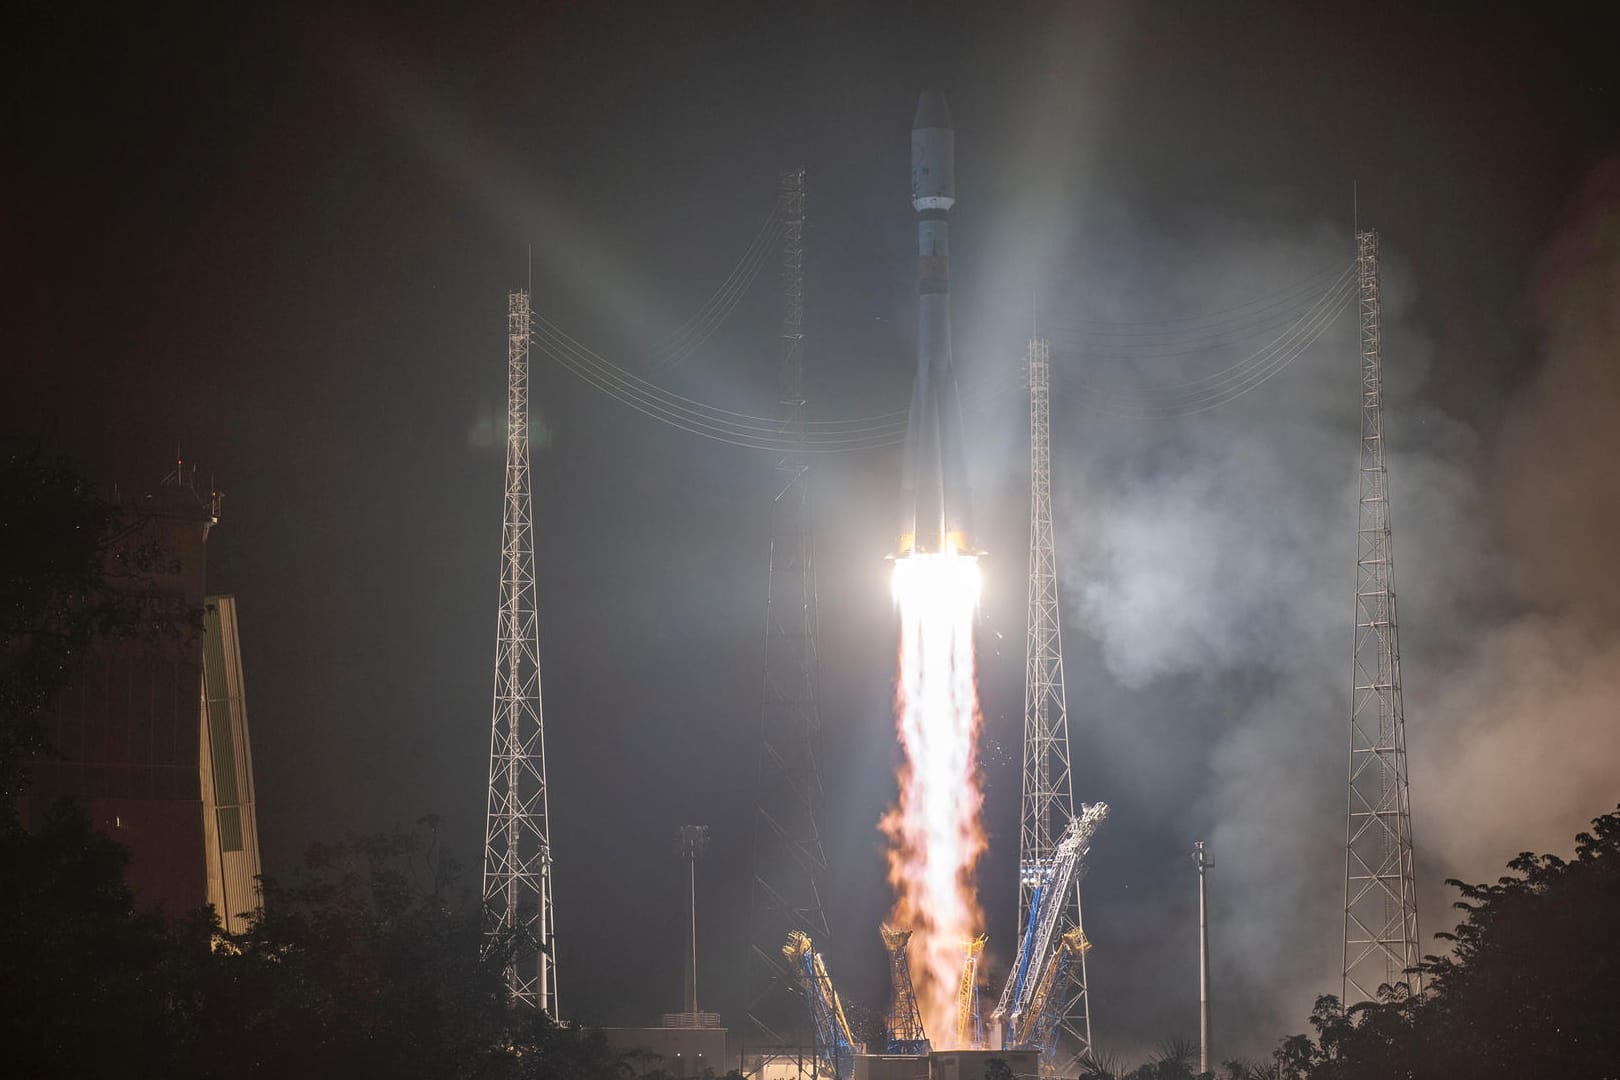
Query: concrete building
[
  {"x": 948, "y": 1065},
  {"x": 891, "y": 1067},
  {"x": 977, "y": 1064},
  {"x": 157, "y": 754}
]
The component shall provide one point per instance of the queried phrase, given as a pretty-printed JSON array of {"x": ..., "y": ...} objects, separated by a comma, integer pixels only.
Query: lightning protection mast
[
  {"x": 517, "y": 838},
  {"x": 1201, "y": 859},
  {"x": 1380, "y": 893},
  {"x": 1048, "y": 799},
  {"x": 789, "y": 860}
]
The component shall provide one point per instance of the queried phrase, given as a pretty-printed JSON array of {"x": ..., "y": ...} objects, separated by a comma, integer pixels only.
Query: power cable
[
  {"x": 556, "y": 338},
  {"x": 1168, "y": 346},
  {"x": 1305, "y": 284},
  {"x": 1247, "y": 380},
  {"x": 702, "y": 324},
  {"x": 881, "y": 430},
  {"x": 711, "y": 422},
  {"x": 1239, "y": 368}
]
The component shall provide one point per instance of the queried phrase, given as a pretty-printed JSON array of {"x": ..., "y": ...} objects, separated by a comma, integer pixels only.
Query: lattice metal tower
[
  {"x": 517, "y": 837},
  {"x": 1380, "y": 893},
  {"x": 902, "y": 1023},
  {"x": 789, "y": 861},
  {"x": 1048, "y": 801}
]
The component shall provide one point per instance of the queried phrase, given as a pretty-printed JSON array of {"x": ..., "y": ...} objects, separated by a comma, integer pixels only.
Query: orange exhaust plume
[{"x": 934, "y": 832}]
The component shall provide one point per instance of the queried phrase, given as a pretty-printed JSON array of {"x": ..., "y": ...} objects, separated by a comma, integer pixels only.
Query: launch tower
[
  {"x": 1380, "y": 891},
  {"x": 902, "y": 1025},
  {"x": 517, "y": 836},
  {"x": 789, "y": 861},
  {"x": 1048, "y": 799}
]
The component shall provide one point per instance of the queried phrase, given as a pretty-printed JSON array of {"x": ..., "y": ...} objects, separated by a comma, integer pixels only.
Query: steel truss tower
[
  {"x": 789, "y": 861},
  {"x": 517, "y": 837},
  {"x": 1048, "y": 800},
  {"x": 902, "y": 1025},
  {"x": 1380, "y": 894}
]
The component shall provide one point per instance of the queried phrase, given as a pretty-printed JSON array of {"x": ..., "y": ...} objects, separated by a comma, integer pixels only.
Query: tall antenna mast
[
  {"x": 1380, "y": 892},
  {"x": 517, "y": 837},
  {"x": 1048, "y": 800},
  {"x": 789, "y": 860}
]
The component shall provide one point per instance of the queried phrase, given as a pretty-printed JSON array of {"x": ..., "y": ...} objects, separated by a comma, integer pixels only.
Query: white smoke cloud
[
  {"x": 1525, "y": 750},
  {"x": 1526, "y": 727},
  {"x": 1220, "y": 549},
  {"x": 1195, "y": 569}
]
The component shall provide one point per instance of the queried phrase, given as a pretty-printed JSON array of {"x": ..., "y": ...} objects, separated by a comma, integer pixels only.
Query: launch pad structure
[{"x": 1045, "y": 1009}]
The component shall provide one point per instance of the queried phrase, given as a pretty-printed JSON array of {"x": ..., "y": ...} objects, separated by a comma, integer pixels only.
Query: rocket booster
[{"x": 934, "y": 491}]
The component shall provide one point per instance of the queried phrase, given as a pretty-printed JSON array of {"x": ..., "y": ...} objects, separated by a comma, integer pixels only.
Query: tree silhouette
[
  {"x": 371, "y": 961},
  {"x": 1530, "y": 989}
]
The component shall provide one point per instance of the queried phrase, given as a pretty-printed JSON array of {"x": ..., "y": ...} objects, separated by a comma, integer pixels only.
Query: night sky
[{"x": 282, "y": 243}]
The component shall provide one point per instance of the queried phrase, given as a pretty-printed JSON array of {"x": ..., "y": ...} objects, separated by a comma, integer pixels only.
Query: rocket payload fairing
[{"x": 934, "y": 489}]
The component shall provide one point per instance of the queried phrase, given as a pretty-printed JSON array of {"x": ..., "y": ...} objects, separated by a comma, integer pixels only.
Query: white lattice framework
[
  {"x": 517, "y": 838},
  {"x": 1380, "y": 894},
  {"x": 1048, "y": 792}
]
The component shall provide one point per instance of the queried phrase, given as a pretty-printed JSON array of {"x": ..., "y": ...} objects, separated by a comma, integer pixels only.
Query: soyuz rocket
[{"x": 933, "y": 486}]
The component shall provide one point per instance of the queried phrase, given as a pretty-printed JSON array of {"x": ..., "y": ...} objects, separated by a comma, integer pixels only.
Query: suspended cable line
[
  {"x": 557, "y": 342},
  {"x": 1235, "y": 369},
  {"x": 1205, "y": 340},
  {"x": 723, "y": 425},
  {"x": 879, "y": 430},
  {"x": 1330, "y": 298},
  {"x": 692, "y": 334},
  {"x": 1241, "y": 379},
  {"x": 1305, "y": 284},
  {"x": 742, "y": 429}
]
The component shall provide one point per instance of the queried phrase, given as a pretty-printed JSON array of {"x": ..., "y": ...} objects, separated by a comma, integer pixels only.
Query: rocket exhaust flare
[{"x": 934, "y": 490}]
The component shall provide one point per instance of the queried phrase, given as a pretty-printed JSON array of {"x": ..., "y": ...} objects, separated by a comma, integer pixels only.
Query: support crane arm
[
  {"x": 1036, "y": 952},
  {"x": 1038, "y": 1025}
]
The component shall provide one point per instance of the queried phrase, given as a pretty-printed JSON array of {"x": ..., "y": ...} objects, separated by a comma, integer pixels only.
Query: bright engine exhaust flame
[{"x": 935, "y": 838}]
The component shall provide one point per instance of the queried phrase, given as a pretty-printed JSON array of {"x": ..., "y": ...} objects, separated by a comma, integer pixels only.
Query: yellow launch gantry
[{"x": 969, "y": 1024}]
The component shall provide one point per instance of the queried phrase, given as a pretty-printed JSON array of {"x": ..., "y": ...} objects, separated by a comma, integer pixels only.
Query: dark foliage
[
  {"x": 1531, "y": 987},
  {"x": 83, "y": 977},
  {"x": 1177, "y": 1059},
  {"x": 369, "y": 962}
]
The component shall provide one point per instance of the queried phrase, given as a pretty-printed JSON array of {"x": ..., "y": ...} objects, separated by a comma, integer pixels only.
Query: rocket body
[{"x": 934, "y": 490}]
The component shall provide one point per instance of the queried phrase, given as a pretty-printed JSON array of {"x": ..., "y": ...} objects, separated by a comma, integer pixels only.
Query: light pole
[
  {"x": 1203, "y": 864},
  {"x": 691, "y": 842}
]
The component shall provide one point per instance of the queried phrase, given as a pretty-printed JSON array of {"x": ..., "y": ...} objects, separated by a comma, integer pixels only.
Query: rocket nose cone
[{"x": 932, "y": 112}]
